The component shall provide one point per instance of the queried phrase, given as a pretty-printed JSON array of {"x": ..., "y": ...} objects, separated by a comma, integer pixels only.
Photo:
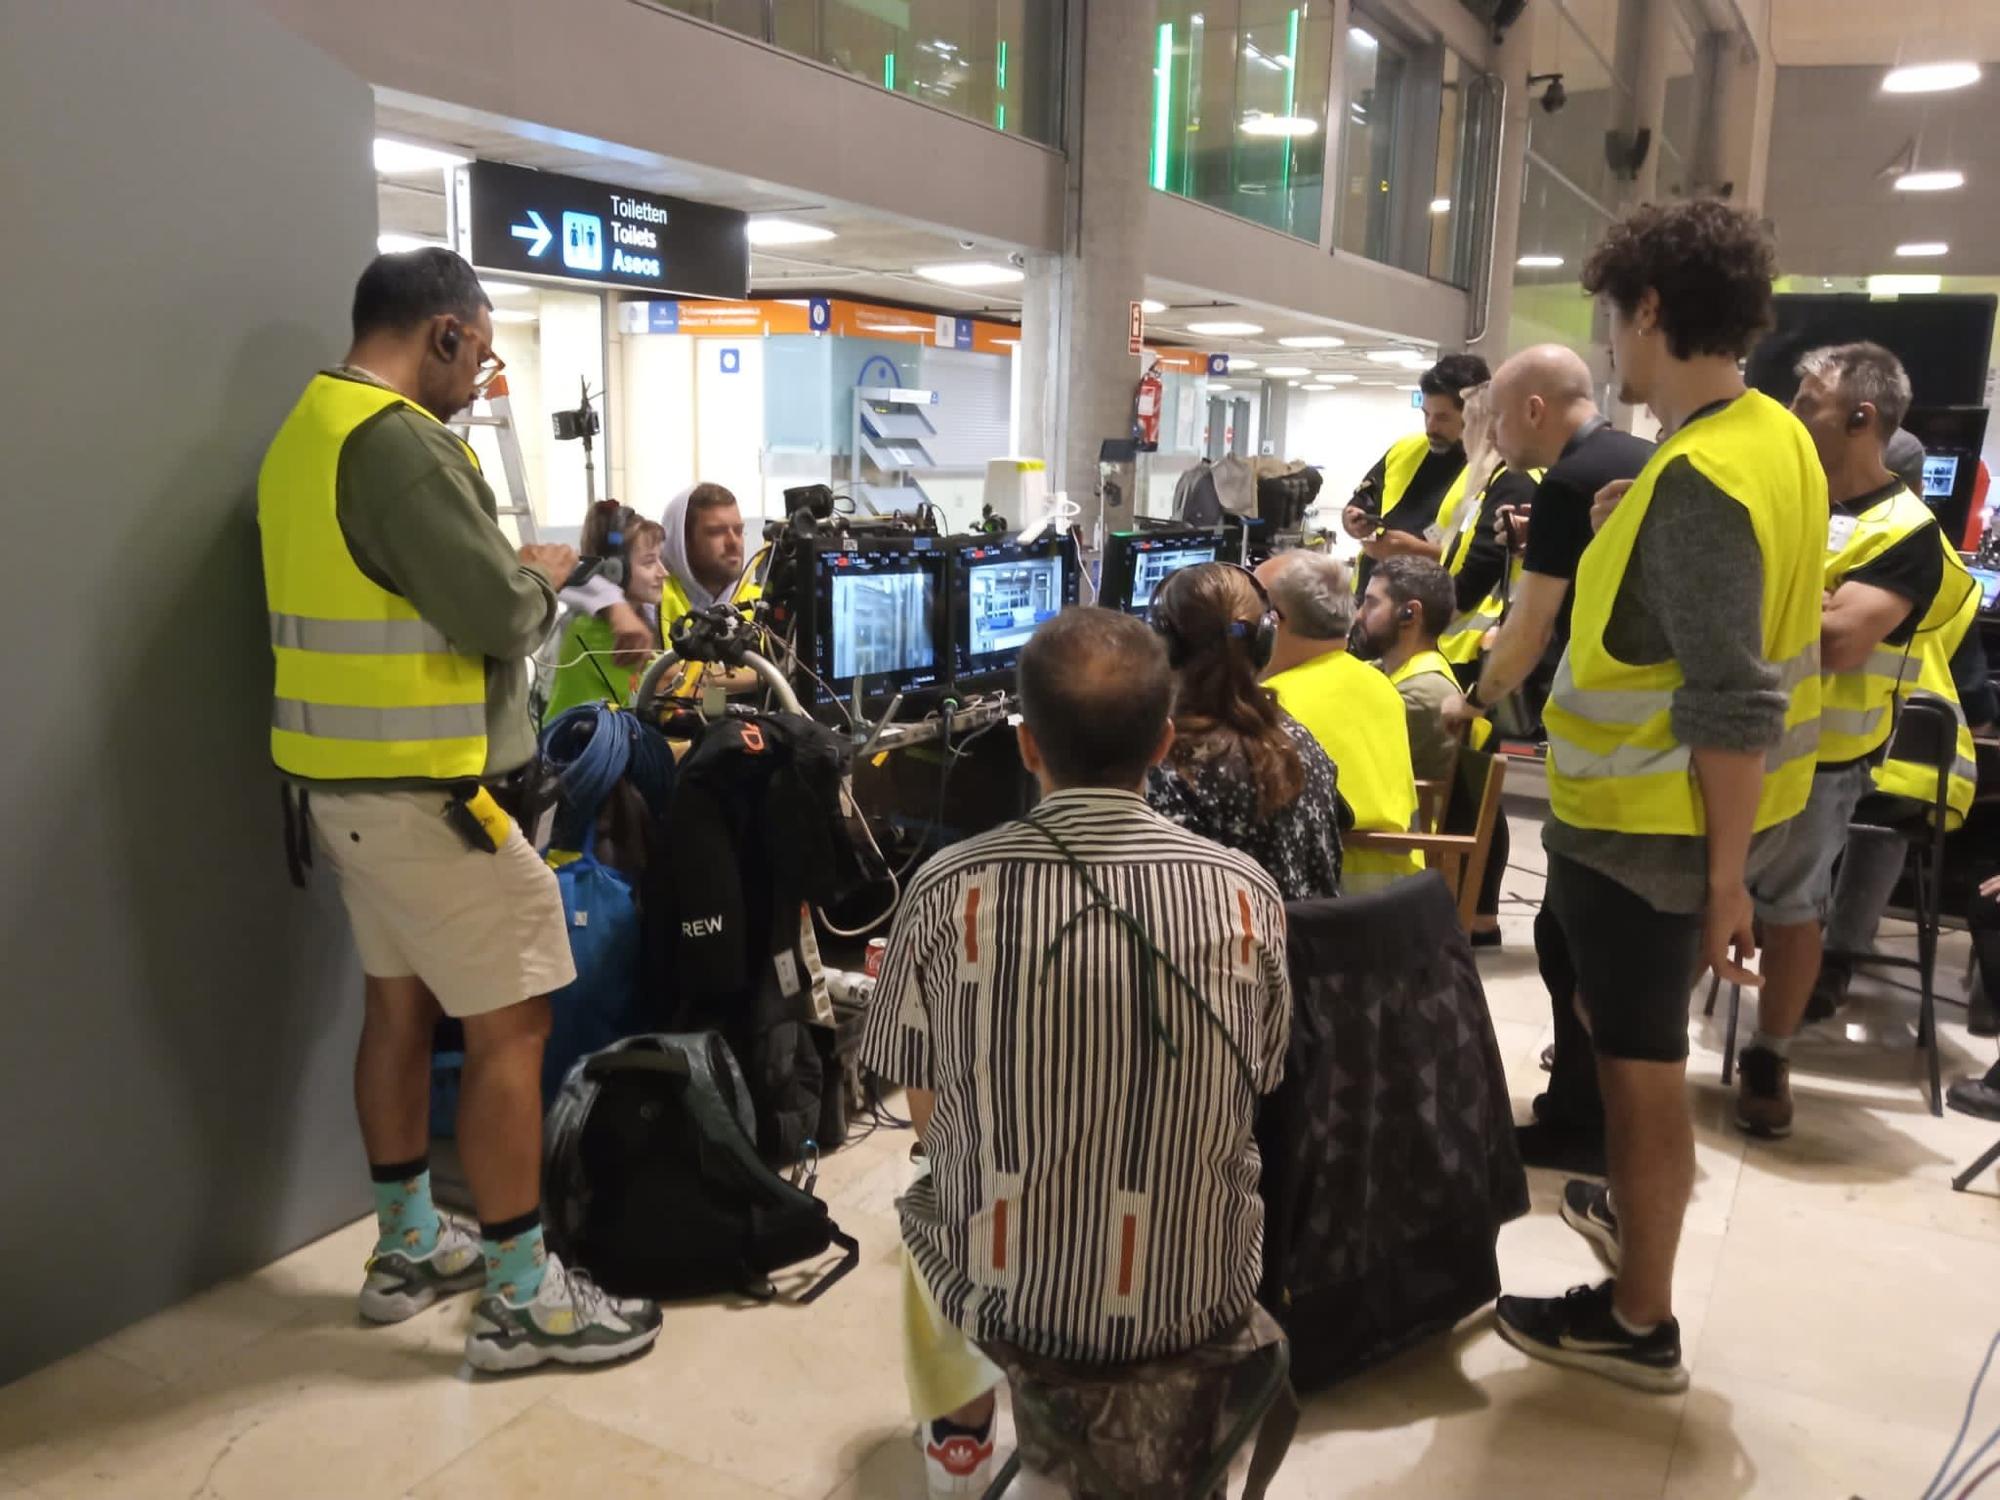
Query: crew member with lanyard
[{"x": 1403, "y": 503}]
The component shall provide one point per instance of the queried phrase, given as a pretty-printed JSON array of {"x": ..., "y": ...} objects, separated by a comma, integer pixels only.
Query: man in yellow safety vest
[
  {"x": 1404, "y": 503},
  {"x": 401, "y": 619},
  {"x": 1683, "y": 727},
  {"x": 1886, "y": 601}
]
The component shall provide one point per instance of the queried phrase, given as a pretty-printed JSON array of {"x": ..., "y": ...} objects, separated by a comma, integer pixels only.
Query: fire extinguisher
[{"x": 1146, "y": 409}]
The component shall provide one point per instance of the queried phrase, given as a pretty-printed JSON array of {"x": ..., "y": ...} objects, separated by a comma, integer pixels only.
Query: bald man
[{"x": 1544, "y": 417}]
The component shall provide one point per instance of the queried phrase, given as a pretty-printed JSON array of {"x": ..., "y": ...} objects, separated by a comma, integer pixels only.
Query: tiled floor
[{"x": 1836, "y": 1297}]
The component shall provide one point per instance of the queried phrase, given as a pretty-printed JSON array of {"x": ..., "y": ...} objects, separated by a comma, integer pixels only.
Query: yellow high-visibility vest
[
  {"x": 1465, "y": 637},
  {"x": 1357, "y": 716},
  {"x": 366, "y": 688},
  {"x": 1855, "y": 705},
  {"x": 1434, "y": 661},
  {"x": 1614, "y": 761},
  {"x": 1953, "y": 611},
  {"x": 1399, "y": 471},
  {"x": 674, "y": 603}
]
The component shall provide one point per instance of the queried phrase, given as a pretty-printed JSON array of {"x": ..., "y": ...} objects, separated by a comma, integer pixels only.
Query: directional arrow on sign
[{"x": 539, "y": 233}]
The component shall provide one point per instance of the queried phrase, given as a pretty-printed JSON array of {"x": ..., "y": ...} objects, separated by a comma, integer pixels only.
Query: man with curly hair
[{"x": 1683, "y": 728}]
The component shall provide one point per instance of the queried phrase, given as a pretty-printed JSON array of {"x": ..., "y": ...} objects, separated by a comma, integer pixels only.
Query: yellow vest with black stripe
[
  {"x": 1465, "y": 637},
  {"x": 366, "y": 689},
  {"x": 1939, "y": 636},
  {"x": 1614, "y": 762},
  {"x": 1399, "y": 471},
  {"x": 674, "y": 603},
  {"x": 1434, "y": 661},
  {"x": 1855, "y": 707}
]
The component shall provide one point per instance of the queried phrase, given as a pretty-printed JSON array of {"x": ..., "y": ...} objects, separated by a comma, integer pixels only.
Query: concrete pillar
[
  {"x": 1078, "y": 375},
  {"x": 1513, "y": 61},
  {"x": 1734, "y": 150},
  {"x": 1645, "y": 42}
]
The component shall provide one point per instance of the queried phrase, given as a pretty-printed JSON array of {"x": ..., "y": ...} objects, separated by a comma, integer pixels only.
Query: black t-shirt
[
  {"x": 1559, "y": 525},
  {"x": 1417, "y": 511},
  {"x": 1912, "y": 569},
  {"x": 1486, "y": 558}
]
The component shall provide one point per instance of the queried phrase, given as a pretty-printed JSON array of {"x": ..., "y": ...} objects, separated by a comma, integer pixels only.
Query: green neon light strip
[
  {"x": 1163, "y": 87},
  {"x": 1000, "y": 83},
  {"x": 1291, "y": 101},
  {"x": 889, "y": 71}
]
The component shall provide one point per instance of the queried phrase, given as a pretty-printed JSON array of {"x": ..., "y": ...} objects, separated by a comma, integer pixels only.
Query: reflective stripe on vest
[
  {"x": 366, "y": 688},
  {"x": 1854, "y": 716},
  {"x": 1399, "y": 471},
  {"x": 1465, "y": 637},
  {"x": 1614, "y": 760},
  {"x": 1957, "y": 608}
]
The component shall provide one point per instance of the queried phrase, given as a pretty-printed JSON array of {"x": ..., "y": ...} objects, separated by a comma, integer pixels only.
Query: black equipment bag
[{"x": 653, "y": 1183}]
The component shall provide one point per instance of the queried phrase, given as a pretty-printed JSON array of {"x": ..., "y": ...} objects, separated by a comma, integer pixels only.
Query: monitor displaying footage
[
  {"x": 1940, "y": 476},
  {"x": 1988, "y": 580},
  {"x": 878, "y": 614},
  {"x": 1152, "y": 565},
  {"x": 1001, "y": 591}
]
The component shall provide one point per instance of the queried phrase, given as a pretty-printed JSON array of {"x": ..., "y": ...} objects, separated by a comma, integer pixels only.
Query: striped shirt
[{"x": 1091, "y": 1196}]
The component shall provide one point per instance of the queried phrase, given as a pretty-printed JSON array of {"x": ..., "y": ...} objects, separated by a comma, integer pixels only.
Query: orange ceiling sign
[{"x": 817, "y": 315}]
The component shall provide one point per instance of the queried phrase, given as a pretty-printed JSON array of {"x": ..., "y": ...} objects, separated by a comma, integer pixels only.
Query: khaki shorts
[{"x": 482, "y": 931}]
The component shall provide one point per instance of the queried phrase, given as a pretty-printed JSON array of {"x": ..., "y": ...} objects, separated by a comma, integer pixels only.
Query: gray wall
[{"x": 188, "y": 198}]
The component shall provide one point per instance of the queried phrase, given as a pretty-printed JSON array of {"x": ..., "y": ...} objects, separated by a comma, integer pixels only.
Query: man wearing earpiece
[{"x": 401, "y": 620}]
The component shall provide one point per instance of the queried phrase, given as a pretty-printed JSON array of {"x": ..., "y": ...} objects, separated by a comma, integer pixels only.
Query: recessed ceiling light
[
  {"x": 506, "y": 289},
  {"x": 970, "y": 273},
  {"x": 1409, "y": 359},
  {"x": 898, "y": 327},
  {"x": 1312, "y": 341},
  {"x": 1149, "y": 307},
  {"x": 1287, "y": 372},
  {"x": 1291, "y": 382},
  {"x": 405, "y": 158},
  {"x": 1918, "y": 248},
  {"x": 1903, "y": 286},
  {"x": 1409, "y": 387},
  {"x": 1930, "y": 78},
  {"x": 1362, "y": 39},
  {"x": 1539, "y": 262},
  {"x": 1440, "y": 205},
  {"x": 1930, "y": 182},
  {"x": 786, "y": 232},
  {"x": 1226, "y": 329},
  {"x": 1282, "y": 126},
  {"x": 1339, "y": 378},
  {"x": 1236, "y": 364},
  {"x": 391, "y": 244},
  {"x": 1220, "y": 385},
  {"x": 1392, "y": 385}
]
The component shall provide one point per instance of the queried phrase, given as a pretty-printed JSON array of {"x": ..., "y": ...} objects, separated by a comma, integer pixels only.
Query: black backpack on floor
[{"x": 654, "y": 1186}]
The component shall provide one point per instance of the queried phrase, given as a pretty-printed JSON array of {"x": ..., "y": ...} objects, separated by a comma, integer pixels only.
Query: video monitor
[
  {"x": 878, "y": 615},
  {"x": 1136, "y": 563},
  {"x": 1988, "y": 580},
  {"x": 1000, "y": 591},
  {"x": 1940, "y": 477}
]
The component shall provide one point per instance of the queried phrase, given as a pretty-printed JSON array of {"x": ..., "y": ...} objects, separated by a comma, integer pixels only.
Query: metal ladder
[{"x": 500, "y": 416}]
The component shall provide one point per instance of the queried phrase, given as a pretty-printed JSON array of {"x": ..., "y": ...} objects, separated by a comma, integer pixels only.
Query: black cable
[{"x": 952, "y": 756}]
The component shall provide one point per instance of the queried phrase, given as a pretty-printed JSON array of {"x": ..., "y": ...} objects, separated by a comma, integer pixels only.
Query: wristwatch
[{"x": 1472, "y": 700}]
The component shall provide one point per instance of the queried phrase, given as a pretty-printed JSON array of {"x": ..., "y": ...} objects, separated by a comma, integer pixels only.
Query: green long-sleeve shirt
[{"x": 421, "y": 522}]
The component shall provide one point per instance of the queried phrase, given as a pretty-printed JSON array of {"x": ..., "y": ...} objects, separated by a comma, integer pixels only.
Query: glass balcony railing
[{"x": 996, "y": 61}]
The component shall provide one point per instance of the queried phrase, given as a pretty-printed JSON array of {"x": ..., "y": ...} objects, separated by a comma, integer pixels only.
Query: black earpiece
[
  {"x": 1407, "y": 613},
  {"x": 1857, "y": 421},
  {"x": 448, "y": 342}
]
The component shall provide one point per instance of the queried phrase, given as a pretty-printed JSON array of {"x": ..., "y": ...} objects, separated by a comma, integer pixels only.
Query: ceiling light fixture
[
  {"x": 1277, "y": 126},
  {"x": 506, "y": 289},
  {"x": 1220, "y": 385},
  {"x": 392, "y": 244},
  {"x": 786, "y": 232},
  {"x": 1408, "y": 358},
  {"x": 1339, "y": 377},
  {"x": 1149, "y": 307},
  {"x": 1904, "y": 286},
  {"x": 1930, "y": 78},
  {"x": 970, "y": 273},
  {"x": 1226, "y": 329},
  {"x": 1440, "y": 205},
  {"x": 406, "y": 158},
  {"x": 1539, "y": 262},
  {"x": 1236, "y": 364},
  {"x": 1312, "y": 341},
  {"x": 1287, "y": 372},
  {"x": 1930, "y": 182},
  {"x": 1923, "y": 248}
]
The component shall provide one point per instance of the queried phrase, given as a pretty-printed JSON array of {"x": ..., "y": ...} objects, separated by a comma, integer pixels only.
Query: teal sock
[
  {"x": 515, "y": 1257},
  {"x": 405, "y": 1217}
]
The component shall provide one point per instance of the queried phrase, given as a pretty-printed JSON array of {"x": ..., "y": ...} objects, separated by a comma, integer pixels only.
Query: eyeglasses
[{"x": 490, "y": 368}]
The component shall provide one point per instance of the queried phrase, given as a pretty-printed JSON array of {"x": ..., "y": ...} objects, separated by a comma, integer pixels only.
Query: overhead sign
[{"x": 517, "y": 219}]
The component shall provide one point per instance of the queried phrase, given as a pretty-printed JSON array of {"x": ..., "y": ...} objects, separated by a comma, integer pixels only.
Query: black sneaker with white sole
[
  {"x": 1579, "y": 1330},
  {"x": 1586, "y": 1208}
]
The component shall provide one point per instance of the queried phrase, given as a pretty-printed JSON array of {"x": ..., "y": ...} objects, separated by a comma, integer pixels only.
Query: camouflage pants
[{"x": 1130, "y": 1432}]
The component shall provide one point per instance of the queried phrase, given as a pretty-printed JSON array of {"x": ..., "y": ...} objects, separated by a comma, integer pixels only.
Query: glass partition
[
  {"x": 1239, "y": 107},
  {"x": 1373, "y": 72},
  {"x": 996, "y": 61}
]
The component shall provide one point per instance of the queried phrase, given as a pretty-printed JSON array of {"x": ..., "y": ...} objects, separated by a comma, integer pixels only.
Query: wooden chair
[{"x": 1470, "y": 811}]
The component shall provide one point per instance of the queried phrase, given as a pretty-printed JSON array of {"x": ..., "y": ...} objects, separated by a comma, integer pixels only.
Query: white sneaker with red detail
[{"x": 957, "y": 1462}]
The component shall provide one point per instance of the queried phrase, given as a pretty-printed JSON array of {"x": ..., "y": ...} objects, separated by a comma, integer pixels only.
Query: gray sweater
[{"x": 1693, "y": 593}]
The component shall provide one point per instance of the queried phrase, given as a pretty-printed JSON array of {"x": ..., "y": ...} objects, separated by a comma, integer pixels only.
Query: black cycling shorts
[{"x": 1634, "y": 965}]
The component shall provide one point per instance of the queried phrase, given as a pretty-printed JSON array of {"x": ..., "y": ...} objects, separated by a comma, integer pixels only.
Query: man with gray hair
[{"x": 1351, "y": 709}]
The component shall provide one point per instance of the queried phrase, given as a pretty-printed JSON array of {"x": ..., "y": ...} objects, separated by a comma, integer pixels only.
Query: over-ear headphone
[{"x": 1260, "y": 636}]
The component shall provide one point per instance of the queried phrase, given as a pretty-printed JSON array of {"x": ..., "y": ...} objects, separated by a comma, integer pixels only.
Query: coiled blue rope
[{"x": 591, "y": 748}]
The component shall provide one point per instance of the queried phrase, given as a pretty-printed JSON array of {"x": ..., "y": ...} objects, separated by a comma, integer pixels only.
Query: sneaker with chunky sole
[
  {"x": 1763, "y": 1093},
  {"x": 1578, "y": 1330},
  {"x": 956, "y": 1461},
  {"x": 402, "y": 1284},
  {"x": 1586, "y": 1208},
  {"x": 570, "y": 1320}
]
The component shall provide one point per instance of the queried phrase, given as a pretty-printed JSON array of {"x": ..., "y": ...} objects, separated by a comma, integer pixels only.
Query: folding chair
[{"x": 1927, "y": 735}]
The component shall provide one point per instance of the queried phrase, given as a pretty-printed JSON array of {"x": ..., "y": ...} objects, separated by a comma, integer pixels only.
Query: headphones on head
[{"x": 1260, "y": 636}]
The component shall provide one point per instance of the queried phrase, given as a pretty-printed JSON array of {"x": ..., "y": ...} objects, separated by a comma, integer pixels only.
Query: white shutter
[{"x": 971, "y": 414}]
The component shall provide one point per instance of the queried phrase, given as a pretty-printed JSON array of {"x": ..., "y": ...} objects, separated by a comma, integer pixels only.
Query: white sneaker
[
  {"x": 958, "y": 1464},
  {"x": 400, "y": 1284},
  {"x": 571, "y": 1320}
]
